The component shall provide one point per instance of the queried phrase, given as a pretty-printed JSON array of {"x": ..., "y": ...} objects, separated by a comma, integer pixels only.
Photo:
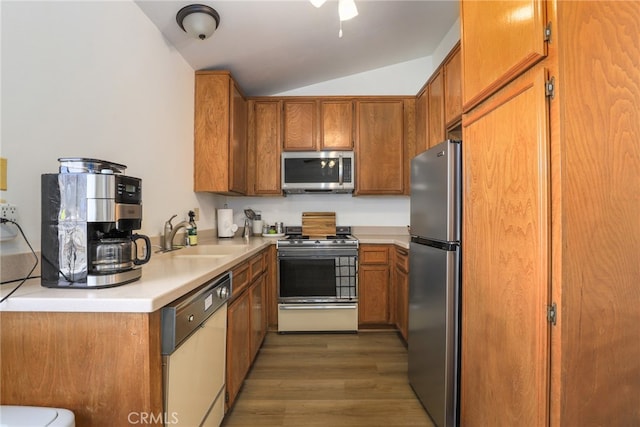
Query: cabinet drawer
[
  {"x": 402, "y": 260},
  {"x": 256, "y": 266},
  {"x": 374, "y": 254},
  {"x": 240, "y": 278}
]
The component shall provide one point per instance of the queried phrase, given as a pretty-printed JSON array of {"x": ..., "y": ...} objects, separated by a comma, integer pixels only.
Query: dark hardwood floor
[{"x": 329, "y": 380}]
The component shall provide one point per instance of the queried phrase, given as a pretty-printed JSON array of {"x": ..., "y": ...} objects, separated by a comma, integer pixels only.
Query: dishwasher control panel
[{"x": 186, "y": 314}]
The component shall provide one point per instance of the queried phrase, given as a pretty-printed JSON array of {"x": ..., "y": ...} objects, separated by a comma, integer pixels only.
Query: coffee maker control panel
[{"x": 128, "y": 189}]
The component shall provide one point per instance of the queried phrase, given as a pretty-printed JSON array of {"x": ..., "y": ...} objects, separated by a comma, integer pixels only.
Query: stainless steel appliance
[
  {"x": 89, "y": 212},
  {"x": 194, "y": 333},
  {"x": 434, "y": 280},
  {"x": 317, "y": 282},
  {"x": 318, "y": 172}
]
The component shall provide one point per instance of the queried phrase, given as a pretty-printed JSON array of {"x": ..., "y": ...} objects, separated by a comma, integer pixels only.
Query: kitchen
[{"x": 64, "y": 96}]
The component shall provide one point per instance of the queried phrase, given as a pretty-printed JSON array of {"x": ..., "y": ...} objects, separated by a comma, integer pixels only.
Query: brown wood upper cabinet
[
  {"x": 492, "y": 58},
  {"x": 453, "y": 87},
  {"x": 300, "y": 124},
  {"x": 336, "y": 121},
  {"x": 436, "y": 108},
  {"x": 220, "y": 134},
  {"x": 265, "y": 147},
  {"x": 317, "y": 124},
  {"x": 380, "y": 146}
]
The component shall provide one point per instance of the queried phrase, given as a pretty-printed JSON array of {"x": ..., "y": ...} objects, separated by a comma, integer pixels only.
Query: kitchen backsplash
[{"x": 355, "y": 211}]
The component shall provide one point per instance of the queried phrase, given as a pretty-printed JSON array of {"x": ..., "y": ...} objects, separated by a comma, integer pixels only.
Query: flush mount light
[{"x": 198, "y": 20}]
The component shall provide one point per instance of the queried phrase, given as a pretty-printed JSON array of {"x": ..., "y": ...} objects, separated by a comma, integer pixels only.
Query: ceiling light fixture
[
  {"x": 346, "y": 10},
  {"x": 198, "y": 20}
]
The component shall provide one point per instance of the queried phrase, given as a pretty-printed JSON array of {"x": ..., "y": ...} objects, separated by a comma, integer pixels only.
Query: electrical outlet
[
  {"x": 8, "y": 231},
  {"x": 9, "y": 211},
  {"x": 196, "y": 211}
]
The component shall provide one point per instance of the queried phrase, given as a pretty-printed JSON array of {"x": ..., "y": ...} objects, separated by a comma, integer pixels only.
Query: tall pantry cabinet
[{"x": 551, "y": 219}]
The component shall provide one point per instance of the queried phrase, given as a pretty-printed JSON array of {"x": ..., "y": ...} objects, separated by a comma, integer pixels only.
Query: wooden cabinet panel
[
  {"x": 266, "y": 148},
  {"x": 400, "y": 291},
  {"x": 300, "y": 125},
  {"x": 422, "y": 120},
  {"x": 272, "y": 287},
  {"x": 500, "y": 39},
  {"x": 453, "y": 87},
  {"x": 336, "y": 118},
  {"x": 373, "y": 299},
  {"x": 238, "y": 150},
  {"x": 436, "y": 109},
  {"x": 220, "y": 128},
  {"x": 380, "y": 147},
  {"x": 373, "y": 285},
  {"x": 505, "y": 285},
  {"x": 240, "y": 277},
  {"x": 101, "y": 366},
  {"x": 238, "y": 345},
  {"x": 258, "y": 315},
  {"x": 374, "y": 254}
]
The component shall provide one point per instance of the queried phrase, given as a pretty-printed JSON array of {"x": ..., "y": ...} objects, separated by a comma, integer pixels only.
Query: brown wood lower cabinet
[
  {"x": 373, "y": 287},
  {"x": 246, "y": 320},
  {"x": 104, "y": 367},
  {"x": 400, "y": 291}
]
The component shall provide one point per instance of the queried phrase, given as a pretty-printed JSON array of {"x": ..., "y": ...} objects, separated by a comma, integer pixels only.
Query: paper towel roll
[{"x": 226, "y": 227}]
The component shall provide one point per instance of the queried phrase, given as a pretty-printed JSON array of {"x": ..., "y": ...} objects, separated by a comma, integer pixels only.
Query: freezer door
[
  {"x": 433, "y": 330},
  {"x": 436, "y": 192}
]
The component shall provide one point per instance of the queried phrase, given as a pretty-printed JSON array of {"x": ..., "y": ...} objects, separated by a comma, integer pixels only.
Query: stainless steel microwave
[{"x": 318, "y": 172}]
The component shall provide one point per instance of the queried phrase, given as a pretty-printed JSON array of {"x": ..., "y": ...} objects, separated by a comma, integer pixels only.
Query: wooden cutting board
[{"x": 318, "y": 224}]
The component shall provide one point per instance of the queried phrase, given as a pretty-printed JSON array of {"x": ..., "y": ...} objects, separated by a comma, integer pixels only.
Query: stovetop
[{"x": 295, "y": 238}]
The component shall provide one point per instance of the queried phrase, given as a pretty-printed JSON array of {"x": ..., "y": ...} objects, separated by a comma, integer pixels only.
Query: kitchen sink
[{"x": 208, "y": 251}]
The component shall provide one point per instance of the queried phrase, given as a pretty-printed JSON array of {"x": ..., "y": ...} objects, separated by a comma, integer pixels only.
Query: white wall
[{"x": 95, "y": 79}]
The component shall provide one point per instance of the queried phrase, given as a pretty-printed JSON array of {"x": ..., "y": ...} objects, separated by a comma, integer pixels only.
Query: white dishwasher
[{"x": 194, "y": 330}]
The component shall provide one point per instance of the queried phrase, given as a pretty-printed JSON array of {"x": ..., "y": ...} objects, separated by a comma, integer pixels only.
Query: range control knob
[{"x": 223, "y": 292}]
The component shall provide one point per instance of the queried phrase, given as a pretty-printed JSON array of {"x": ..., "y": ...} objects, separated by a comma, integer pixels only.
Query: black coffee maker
[{"x": 89, "y": 212}]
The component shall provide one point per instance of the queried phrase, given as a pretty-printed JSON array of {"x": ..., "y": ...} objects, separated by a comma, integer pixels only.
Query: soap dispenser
[{"x": 192, "y": 232}]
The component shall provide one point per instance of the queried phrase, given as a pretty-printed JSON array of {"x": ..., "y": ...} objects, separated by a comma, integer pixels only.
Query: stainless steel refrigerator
[{"x": 434, "y": 280}]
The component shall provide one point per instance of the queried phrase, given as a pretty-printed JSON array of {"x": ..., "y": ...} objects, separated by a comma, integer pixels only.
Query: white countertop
[{"x": 165, "y": 278}]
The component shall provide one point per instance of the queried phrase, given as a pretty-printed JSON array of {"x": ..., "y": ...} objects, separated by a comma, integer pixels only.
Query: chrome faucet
[
  {"x": 246, "y": 233},
  {"x": 170, "y": 231}
]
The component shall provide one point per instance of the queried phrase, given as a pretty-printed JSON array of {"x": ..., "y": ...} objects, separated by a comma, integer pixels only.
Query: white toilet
[{"x": 35, "y": 416}]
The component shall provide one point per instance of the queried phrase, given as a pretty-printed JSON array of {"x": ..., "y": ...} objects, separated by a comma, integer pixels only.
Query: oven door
[{"x": 310, "y": 275}]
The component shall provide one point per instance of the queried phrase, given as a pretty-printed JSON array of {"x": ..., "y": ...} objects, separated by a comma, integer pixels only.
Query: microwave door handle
[{"x": 340, "y": 170}]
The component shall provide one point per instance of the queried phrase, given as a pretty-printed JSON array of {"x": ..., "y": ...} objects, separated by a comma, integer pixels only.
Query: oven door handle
[{"x": 318, "y": 306}]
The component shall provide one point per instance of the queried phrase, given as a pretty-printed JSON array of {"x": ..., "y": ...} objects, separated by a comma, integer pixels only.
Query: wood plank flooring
[{"x": 329, "y": 380}]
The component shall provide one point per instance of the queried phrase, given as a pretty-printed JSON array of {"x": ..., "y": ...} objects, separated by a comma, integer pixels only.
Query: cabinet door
[
  {"x": 422, "y": 118},
  {"x": 300, "y": 125},
  {"x": 373, "y": 299},
  {"x": 266, "y": 148},
  {"x": 336, "y": 118},
  {"x": 211, "y": 133},
  {"x": 453, "y": 88},
  {"x": 238, "y": 345},
  {"x": 238, "y": 150},
  {"x": 380, "y": 147},
  {"x": 500, "y": 39},
  {"x": 220, "y": 135},
  {"x": 373, "y": 285},
  {"x": 258, "y": 315},
  {"x": 436, "y": 109},
  {"x": 505, "y": 285}
]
